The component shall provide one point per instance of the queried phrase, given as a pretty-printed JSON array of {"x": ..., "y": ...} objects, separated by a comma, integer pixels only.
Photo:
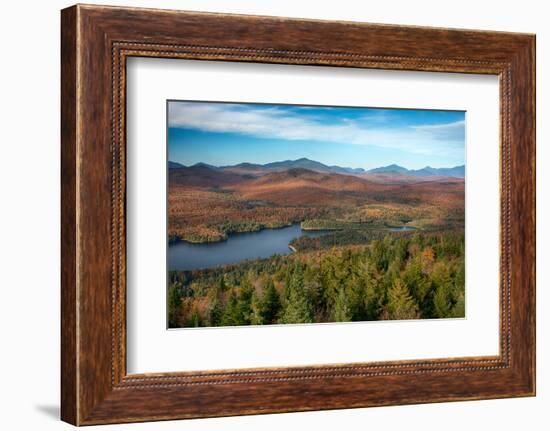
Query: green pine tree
[
  {"x": 245, "y": 301},
  {"x": 442, "y": 304},
  {"x": 215, "y": 313},
  {"x": 458, "y": 293},
  {"x": 231, "y": 316},
  {"x": 459, "y": 309},
  {"x": 271, "y": 303},
  {"x": 401, "y": 304},
  {"x": 443, "y": 283},
  {"x": 342, "y": 312},
  {"x": 174, "y": 307},
  {"x": 297, "y": 308},
  {"x": 314, "y": 291},
  {"x": 256, "y": 317}
]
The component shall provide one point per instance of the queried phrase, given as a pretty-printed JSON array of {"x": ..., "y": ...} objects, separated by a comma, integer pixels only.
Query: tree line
[{"x": 394, "y": 278}]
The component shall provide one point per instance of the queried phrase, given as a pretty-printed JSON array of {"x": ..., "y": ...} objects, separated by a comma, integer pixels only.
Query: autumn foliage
[
  {"x": 399, "y": 277},
  {"x": 359, "y": 270}
]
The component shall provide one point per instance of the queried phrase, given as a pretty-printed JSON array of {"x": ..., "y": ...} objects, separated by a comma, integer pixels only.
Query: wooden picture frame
[{"x": 95, "y": 43}]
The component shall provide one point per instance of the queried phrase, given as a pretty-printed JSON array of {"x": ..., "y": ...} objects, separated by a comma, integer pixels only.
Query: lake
[
  {"x": 402, "y": 229},
  {"x": 183, "y": 255}
]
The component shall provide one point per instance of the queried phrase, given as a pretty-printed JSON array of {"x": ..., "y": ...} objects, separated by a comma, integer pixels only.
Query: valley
[{"x": 208, "y": 203}]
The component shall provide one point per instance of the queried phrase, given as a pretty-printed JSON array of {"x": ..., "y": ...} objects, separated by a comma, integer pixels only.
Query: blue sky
[{"x": 230, "y": 133}]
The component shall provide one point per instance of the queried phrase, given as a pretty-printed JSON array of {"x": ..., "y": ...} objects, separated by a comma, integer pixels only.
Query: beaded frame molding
[{"x": 95, "y": 43}]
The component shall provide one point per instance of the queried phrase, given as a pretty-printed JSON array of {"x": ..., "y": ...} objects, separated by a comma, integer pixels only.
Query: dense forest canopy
[{"x": 392, "y": 276}]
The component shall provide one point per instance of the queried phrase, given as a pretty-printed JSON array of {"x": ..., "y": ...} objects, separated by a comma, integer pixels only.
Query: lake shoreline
[
  {"x": 240, "y": 246},
  {"x": 185, "y": 255},
  {"x": 177, "y": 239},
  {"x": 226, "y": 236}
]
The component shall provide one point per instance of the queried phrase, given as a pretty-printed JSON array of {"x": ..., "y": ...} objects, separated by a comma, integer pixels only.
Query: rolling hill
[
  {"x": 204, "y": 176},
  {"x": 206, "y": 202},
  {"x": 301, "y": 186}
]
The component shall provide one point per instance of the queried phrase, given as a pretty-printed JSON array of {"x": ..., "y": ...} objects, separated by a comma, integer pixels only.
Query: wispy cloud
[
  {"x": 291, "y": 123},
  {"x": 447, "y": 131}
]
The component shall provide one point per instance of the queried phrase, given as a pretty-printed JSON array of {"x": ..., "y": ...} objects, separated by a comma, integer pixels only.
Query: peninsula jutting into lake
[{"x": 362, "y": 220}]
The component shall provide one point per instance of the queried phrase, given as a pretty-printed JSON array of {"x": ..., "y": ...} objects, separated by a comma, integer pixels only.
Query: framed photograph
[{"x": 267, "y": 215}]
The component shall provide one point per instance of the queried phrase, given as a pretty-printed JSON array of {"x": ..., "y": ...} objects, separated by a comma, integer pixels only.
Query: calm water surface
[
  {"x": 402, "y": 229},
  {"x": 238, "y": 247}
]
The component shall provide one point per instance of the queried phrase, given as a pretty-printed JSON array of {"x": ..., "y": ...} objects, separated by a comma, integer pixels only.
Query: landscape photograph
[{"x": 303, "y": 214}]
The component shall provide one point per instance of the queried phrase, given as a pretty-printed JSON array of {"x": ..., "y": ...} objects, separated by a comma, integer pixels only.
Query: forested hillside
[
  {"x": 396, "y": 276},
  {"x": 206, "y": 203}
]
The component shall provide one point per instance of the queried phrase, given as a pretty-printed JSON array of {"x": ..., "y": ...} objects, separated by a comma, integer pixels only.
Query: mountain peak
[
  {"x": 204, "y": 165},
  {"x": 390, "y": 168},
  {"x": 175, "y": 165}
]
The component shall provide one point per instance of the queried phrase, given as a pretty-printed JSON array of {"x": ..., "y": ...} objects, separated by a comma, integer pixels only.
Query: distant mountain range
[
  {"x": 428, "y": 171},
  {"x": 302, "y": 163},
  {"x": 312, "y": 165}
]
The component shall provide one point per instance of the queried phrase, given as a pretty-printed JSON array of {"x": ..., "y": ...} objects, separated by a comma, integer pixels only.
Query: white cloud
[
  {"x": 448, "y": 131},
  {"x": 456, "y": 125},
  {"x": 277, "y": 123}
]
